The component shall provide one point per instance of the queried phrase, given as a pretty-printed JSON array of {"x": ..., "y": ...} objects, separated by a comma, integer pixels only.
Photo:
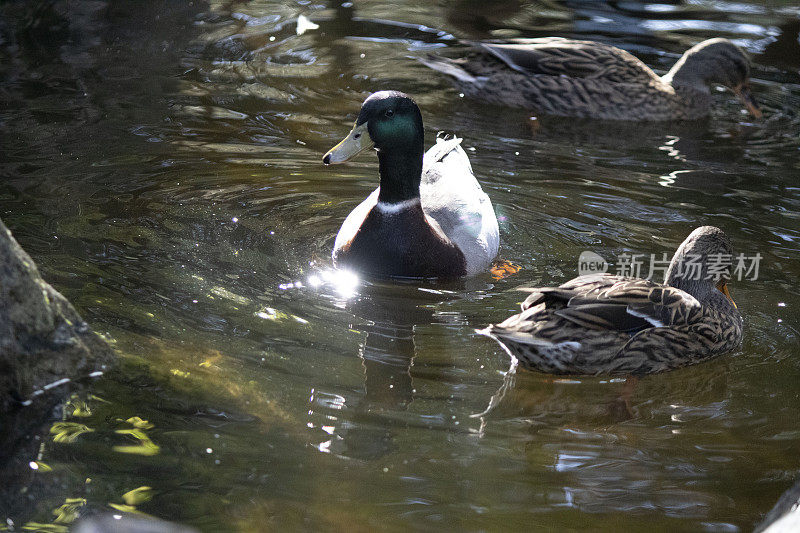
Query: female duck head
[
  {"x": 702, "y": 266},
  {"x": 715, "y": 61},
  {"x": 389, "y": 121}
]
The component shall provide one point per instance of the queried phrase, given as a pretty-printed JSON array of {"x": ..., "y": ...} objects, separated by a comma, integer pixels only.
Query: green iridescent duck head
[{"x": 390, "y": 122}]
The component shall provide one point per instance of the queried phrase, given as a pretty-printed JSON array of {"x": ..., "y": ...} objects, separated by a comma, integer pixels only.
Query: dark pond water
[{"x": 161, "y": 161}]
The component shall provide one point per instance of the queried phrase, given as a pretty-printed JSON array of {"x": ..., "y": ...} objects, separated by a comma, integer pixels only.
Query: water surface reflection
[{"x": 162, "y": 165}]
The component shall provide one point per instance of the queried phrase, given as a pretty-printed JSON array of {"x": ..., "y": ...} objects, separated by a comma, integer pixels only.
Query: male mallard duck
[
  {"x": 589, "y": 79},
  {"x": 429, "y": 218},
  {"x": 605, "y": 324}
]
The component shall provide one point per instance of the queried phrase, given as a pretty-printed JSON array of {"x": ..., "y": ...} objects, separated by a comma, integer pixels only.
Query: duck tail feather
[
  {"x": 444, "y": 145},
  {"x": 447, "y": 66}
]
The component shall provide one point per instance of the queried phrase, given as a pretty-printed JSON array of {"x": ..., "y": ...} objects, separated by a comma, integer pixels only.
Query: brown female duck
[
  {"x": 604, "y": 324},
  {"x": 589, "y": 79}
]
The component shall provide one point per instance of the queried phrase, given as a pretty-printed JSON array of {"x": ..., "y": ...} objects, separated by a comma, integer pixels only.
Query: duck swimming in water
[
  {"x": 566, "y": 77},
  {"x": 429, "y": 218},
  {"x": 613, "y": 325}
]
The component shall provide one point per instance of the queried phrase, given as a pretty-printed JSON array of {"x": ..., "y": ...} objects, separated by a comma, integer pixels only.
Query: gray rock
[{"x": 43, "y": 340}]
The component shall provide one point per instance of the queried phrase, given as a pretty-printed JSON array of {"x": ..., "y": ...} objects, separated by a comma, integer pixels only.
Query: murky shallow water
[{"x": 162, "y": 165}]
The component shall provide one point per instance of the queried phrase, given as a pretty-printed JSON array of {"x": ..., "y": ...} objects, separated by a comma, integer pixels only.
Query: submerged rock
[{"x": 43, "y": 340}]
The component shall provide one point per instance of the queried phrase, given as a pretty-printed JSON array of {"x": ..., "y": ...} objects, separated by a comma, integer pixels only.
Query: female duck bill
[{"x": 746, "y": 96}]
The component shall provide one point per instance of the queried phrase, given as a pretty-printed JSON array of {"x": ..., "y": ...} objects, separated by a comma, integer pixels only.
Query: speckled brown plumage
[
  {"x": 589, "y": 79},
  {"x": 605, "y": 324}
]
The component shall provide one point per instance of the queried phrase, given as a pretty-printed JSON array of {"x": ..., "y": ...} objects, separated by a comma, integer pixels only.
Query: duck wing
[
  {"x": 614, "y": 303},
  {"x": 452, "y": 197},
  {"x": 555, "y": 56}
]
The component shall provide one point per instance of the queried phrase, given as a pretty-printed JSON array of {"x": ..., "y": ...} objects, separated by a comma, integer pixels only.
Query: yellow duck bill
[
  {"x": 356, "y": 142},
  {"x": 723, "y": 288}
]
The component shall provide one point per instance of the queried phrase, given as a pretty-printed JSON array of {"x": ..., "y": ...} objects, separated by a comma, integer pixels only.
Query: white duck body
[{"x": 451, "y": 198}]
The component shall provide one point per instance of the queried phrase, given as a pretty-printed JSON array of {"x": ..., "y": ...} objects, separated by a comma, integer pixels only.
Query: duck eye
[{"x": 389, "y": 113}]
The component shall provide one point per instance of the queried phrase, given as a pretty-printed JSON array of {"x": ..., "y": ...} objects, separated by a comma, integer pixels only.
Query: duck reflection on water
[{"x": 387, "y": 316}]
